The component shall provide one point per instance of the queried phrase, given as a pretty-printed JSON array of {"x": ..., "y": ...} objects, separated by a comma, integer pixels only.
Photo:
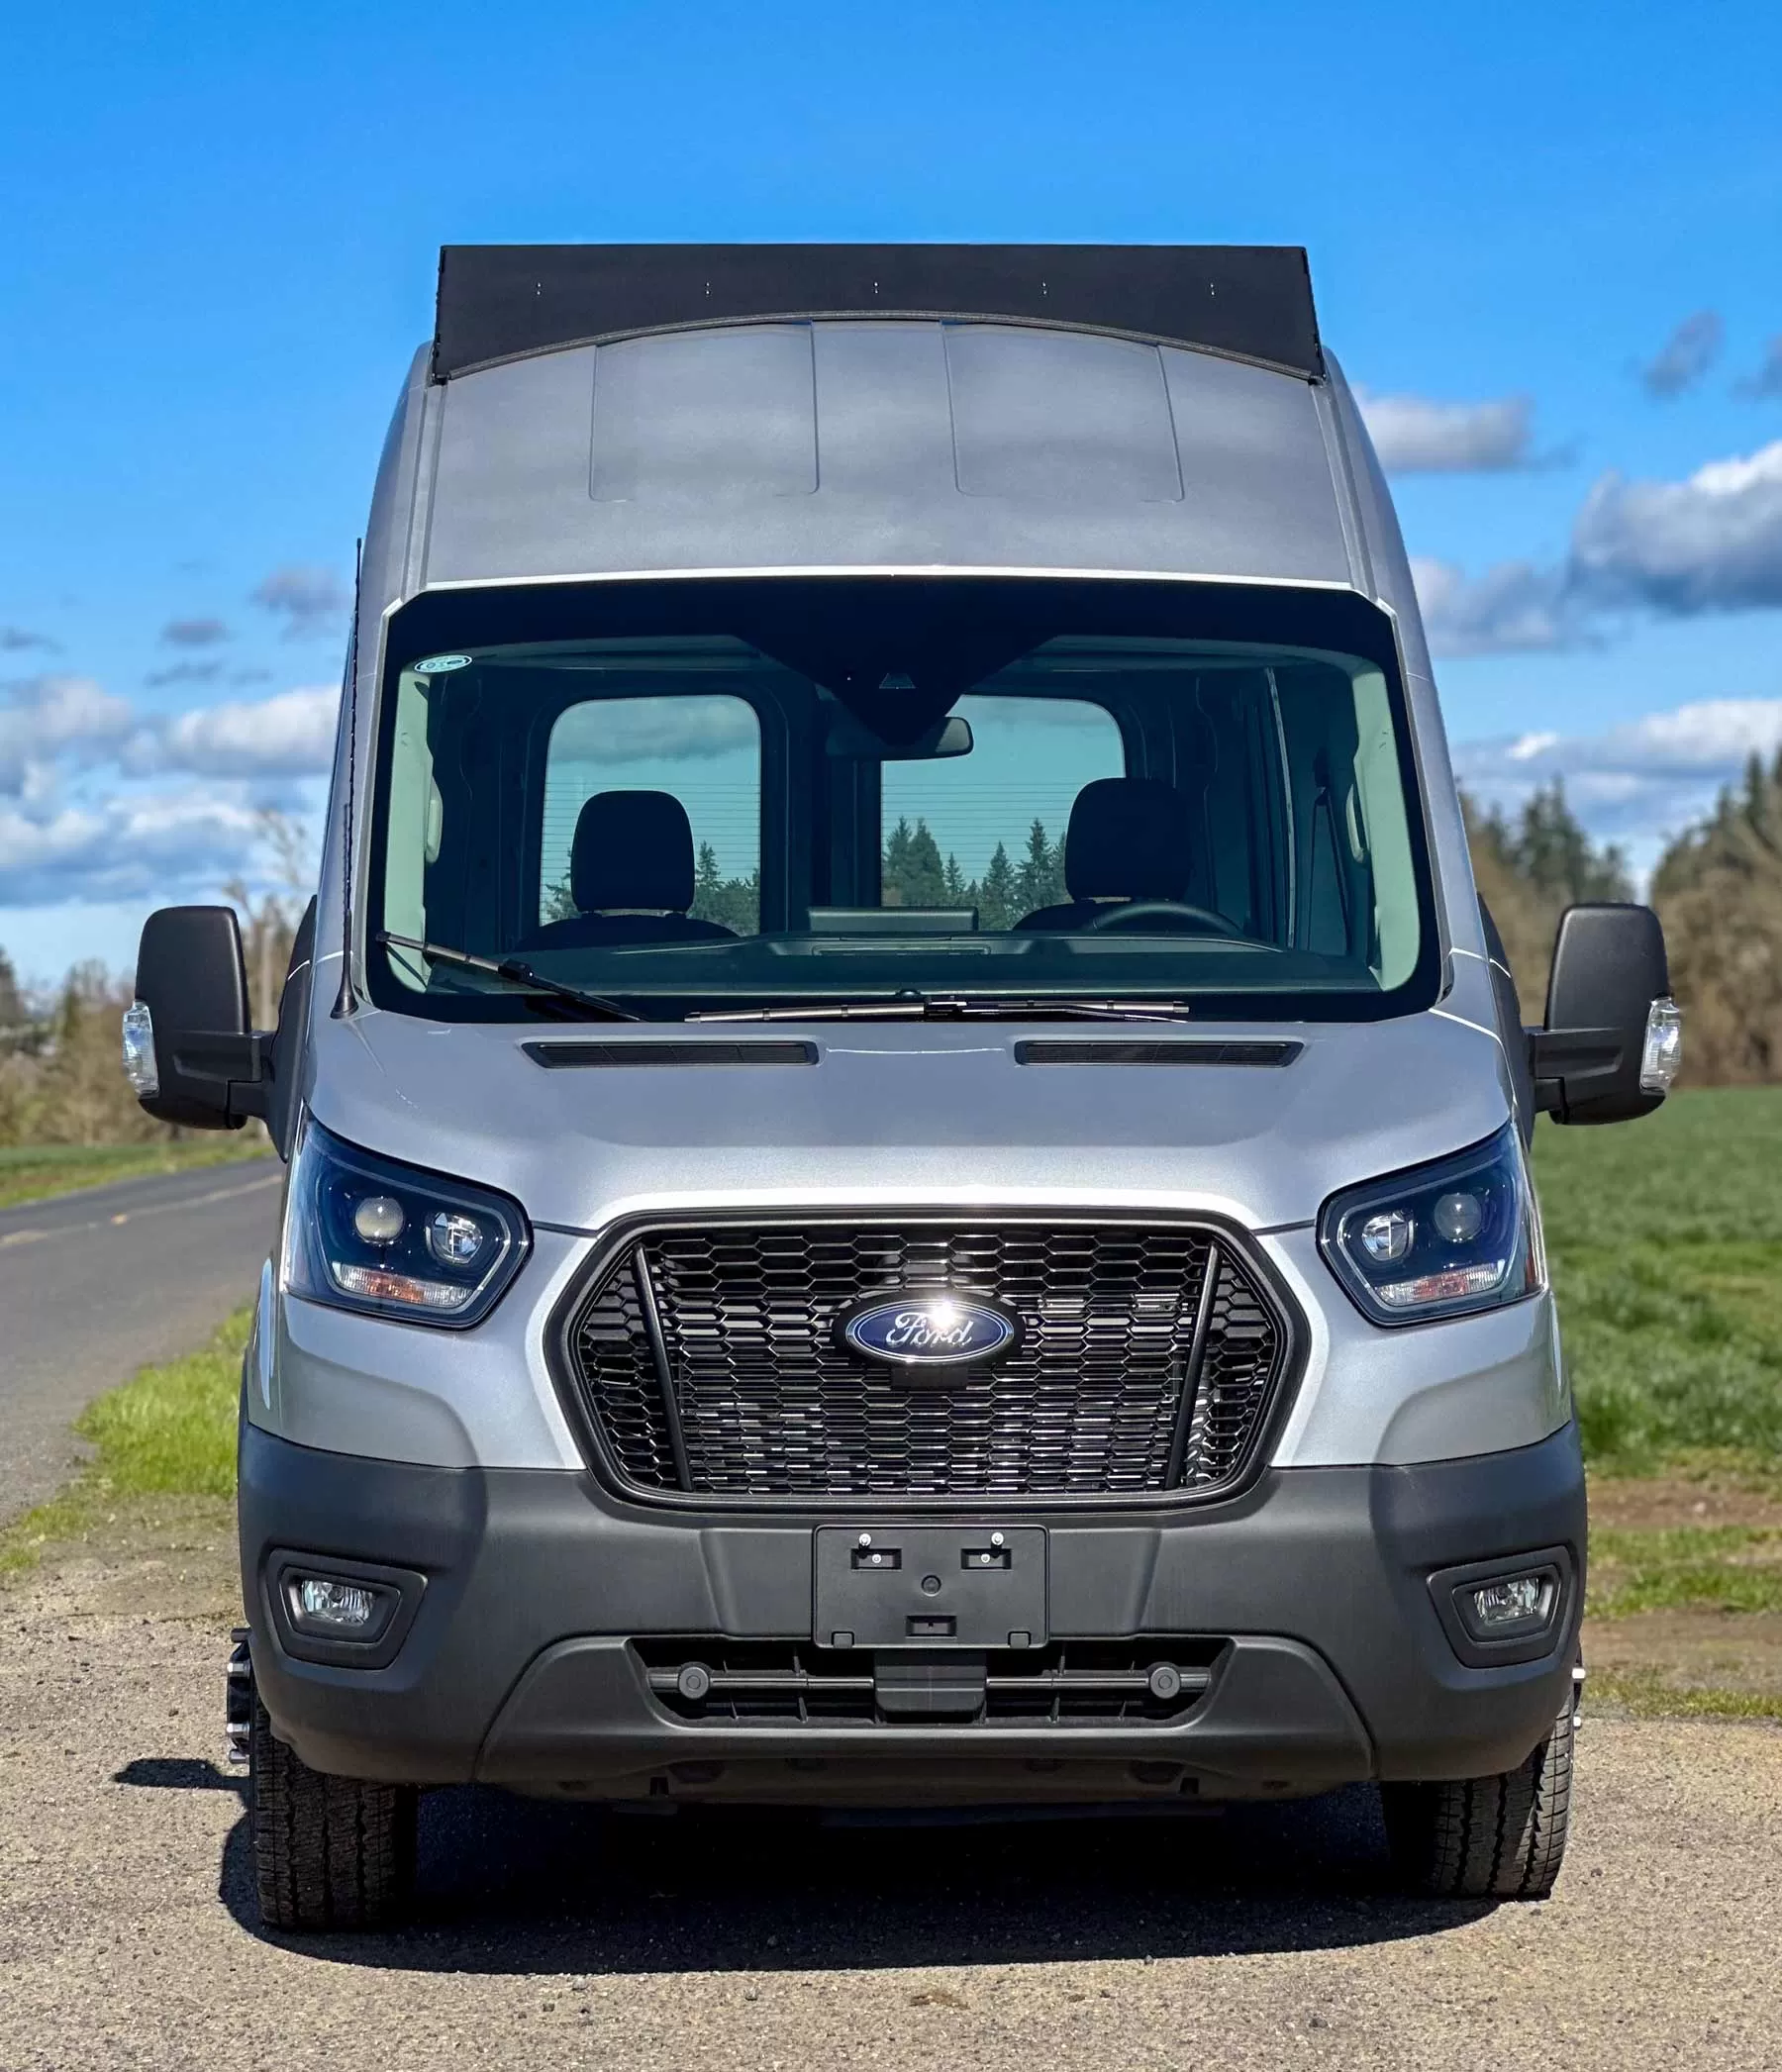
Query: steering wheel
[{"x": 1135, "y": 913}]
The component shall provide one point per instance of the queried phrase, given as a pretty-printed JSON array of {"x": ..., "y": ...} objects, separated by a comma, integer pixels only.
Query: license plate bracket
[{"x": 931, "y": 1586}]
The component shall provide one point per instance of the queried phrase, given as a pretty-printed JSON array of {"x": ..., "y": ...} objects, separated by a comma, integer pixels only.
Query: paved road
[
  {"x": 94, "y": 1284},
  {"x": 552, "y": 1936}
]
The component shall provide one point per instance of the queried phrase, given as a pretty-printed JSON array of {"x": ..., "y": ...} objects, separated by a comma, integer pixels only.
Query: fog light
[
  {"x": 325, "y": 1602},
  {"x": 1508, "y": 1605}
]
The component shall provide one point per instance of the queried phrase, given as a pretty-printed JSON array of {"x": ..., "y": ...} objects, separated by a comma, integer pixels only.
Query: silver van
[{"x": 908, "y": 1144}]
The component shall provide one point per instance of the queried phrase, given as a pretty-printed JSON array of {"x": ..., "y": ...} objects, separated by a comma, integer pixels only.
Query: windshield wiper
[
  {"x": 512, "y": 971},
  {"x": 957, "y": 1007}
]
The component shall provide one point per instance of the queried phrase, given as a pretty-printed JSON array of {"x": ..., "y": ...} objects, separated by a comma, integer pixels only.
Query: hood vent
[
  {"x": 576, "y": 1056},
  {"x": 1065, "y": 1050}
]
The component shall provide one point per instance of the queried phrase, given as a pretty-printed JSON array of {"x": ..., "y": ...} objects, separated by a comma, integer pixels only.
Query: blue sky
[{"x": 219, "y": 230}]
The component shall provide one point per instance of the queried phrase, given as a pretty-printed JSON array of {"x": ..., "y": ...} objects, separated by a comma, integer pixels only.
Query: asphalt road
[
  {"x": 554, "y": 1937},
  {"x": 93, "y": 1285}
]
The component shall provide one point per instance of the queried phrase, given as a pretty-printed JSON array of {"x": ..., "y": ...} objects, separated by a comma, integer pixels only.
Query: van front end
[{"x": 1174, "y": 1541}]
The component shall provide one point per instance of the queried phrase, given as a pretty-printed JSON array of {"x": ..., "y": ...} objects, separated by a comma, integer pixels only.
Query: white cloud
[
  {"x": 1685, "y": 356},
  {"x": 100, "y": 801},
  {"x": 644, "y": 729},
  {"x": 157, "y": 847},
  {"x": 1710, "y": 543},
  {"x": 52, "y": 719},
  {"x": 1413, "y": 435},
  {"x": 1642, "y": 781},
  {"x": 289, "y": 735},
  {"x": 1513, "y": 608}
]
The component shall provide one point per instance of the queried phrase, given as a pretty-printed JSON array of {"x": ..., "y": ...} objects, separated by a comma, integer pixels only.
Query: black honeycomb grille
[{"x": 708, "y": 1358}]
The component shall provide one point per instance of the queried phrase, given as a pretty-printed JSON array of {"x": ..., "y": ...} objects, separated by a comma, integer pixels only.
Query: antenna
[{"x": 346, "y": 1000}]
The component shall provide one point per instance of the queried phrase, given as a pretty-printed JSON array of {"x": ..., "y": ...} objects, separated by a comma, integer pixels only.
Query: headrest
[
  {"x": 1128, "y": 838},
  {"x": 632, "y": 848}
]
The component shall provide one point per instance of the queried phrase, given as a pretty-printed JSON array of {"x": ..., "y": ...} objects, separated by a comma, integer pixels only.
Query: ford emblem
[{"x": 928, "y": 1330}]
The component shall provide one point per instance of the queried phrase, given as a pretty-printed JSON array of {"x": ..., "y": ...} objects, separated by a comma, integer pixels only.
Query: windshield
[{"x": 741, "y": 797}]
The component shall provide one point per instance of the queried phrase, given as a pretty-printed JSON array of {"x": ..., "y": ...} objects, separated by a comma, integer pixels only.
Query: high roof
[{"x": 503, "y": 302}]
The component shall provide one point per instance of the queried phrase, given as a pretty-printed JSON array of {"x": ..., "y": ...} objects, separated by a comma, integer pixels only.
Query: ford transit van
[{"x": 906, "y": 1141}]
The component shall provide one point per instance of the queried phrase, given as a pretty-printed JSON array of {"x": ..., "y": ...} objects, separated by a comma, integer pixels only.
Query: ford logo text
[{"x": 928, "y": 1330}]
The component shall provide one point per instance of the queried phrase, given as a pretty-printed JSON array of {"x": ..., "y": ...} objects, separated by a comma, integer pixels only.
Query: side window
[
  {"x": 704, "y": 751},
  {"x": 987, "y": 829},
  {"x": 415, "y": 825}
]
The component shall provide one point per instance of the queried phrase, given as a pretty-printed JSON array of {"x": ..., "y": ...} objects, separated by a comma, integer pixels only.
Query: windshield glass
[{"x": 828, "y": 793}]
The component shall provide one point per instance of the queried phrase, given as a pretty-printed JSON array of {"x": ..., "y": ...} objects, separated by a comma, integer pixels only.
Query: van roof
[
  {"x": 595, "y": 412},
  {"x": 503, "y": 302}
]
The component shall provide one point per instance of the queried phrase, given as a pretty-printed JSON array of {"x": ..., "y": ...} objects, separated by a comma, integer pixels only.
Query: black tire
[
  {"x": 329, "y": 1852},
  {"x": 1487, "y": 1838}
]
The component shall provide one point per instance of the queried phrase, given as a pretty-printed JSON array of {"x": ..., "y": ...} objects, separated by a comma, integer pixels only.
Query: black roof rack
[{"x": 500, "y": 302}]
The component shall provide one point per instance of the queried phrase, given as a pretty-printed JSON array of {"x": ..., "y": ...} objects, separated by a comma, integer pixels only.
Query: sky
[{"x": 1546, "y": 245}]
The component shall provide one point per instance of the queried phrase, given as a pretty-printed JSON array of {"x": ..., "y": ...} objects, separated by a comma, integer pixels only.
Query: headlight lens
[
  {"x": 1439, "y": 1240},
  {"x": 364, "y": 1232}
]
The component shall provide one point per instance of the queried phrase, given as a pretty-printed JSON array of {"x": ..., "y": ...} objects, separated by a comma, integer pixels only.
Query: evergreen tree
[
  {"x": 911, "y": 872},
  {"x": 1040, "y": 879},
  {"x": 957, "y": 891},
  {"x": 995, "y": 896},
  {"x": 12, "y": 1000},
  {"x": 1550, "y": 849}
]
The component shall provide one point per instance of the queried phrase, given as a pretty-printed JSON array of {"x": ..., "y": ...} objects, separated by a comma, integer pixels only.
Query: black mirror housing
[
  {"x": 1610, "y": 979},
  {"x": 196, "y": 1060}
]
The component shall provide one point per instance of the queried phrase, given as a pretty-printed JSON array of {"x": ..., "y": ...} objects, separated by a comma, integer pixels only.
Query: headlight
[
  {"x": 1440, "y": 1239},
  {"x": 364, "y": 1232}
]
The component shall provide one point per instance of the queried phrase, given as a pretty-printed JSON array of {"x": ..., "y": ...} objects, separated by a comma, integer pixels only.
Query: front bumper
[{"x": 516, "y": 1663}]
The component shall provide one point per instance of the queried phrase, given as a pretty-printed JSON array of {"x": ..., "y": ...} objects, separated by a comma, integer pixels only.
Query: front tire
[
  {"x": 1487, "y": 1838},
  {"x": 329, "y": 1852}
]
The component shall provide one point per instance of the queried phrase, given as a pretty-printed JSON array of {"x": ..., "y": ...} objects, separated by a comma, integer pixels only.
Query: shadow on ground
[{"x": 519, "y": 1886}]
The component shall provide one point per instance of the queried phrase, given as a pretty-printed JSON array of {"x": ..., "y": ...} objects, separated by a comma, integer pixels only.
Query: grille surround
[{"x": 622, "y": 1429}]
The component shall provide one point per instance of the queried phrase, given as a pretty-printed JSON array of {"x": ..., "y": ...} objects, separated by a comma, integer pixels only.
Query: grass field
[
  {"x": 32, "y": 1172},
  {"x": 1665, "y": 1239}
]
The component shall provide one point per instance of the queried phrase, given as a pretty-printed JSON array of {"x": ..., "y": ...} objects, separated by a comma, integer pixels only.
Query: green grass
[
  {"x": 1728, "y": 1568},
  {"x": 34, "y": 1173},
  {"x": 1648, "y": 1696},
  {"x": 1665, "y": 1239},
  {"x": 168, "y": 1432}
]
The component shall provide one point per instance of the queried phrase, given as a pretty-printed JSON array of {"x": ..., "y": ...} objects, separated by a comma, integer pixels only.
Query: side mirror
[
  {"x": 1614, "y": 1035},
  {"x": 188, "y": 1049}
]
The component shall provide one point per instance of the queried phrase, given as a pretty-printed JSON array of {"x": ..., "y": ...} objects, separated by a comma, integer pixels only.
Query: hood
[{"x": 909, "y": 1116}]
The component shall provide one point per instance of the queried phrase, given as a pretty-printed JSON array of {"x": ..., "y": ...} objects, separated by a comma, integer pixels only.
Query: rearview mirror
[
  {"x": 946, "y": 738},
  {"x": 1614, "y": 1035},
  {"x": 188, "y": 1049}
]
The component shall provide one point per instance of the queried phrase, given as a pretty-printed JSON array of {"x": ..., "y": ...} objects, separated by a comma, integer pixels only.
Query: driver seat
[
  {"x": 1129, "y": 840},
  {"x": 631, "y": 875}
]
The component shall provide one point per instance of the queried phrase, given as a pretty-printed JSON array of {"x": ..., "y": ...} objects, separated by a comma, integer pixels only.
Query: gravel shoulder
[{"x": 560, "y": 1936}]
